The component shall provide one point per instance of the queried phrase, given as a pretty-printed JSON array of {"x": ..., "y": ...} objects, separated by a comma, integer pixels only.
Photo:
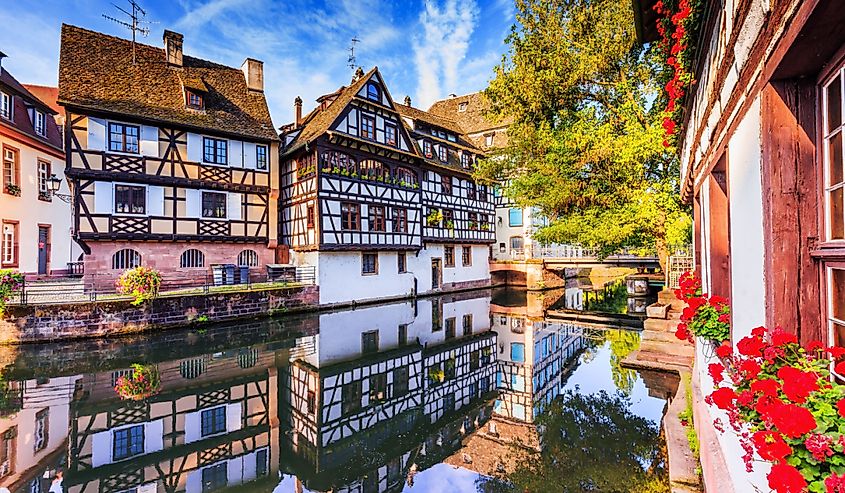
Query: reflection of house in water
[
  {"x": 33, "y": 432},
  {"x": 211, "y": 426},
  {"x": 380, "y": 380}
]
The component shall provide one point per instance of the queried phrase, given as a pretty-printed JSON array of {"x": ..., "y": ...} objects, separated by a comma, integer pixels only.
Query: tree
[{"x": 586, "y": 140}]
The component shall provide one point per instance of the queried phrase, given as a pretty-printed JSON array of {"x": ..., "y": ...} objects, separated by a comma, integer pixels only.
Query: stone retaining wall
[{"x": 106, "y": 318}]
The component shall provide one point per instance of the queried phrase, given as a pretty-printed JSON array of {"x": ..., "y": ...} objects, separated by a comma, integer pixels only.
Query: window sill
[{"x": 369, "y": 273}]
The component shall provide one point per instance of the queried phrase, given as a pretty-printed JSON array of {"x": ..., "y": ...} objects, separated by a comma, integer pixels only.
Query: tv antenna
[
  {"x": 350, "y": 61},
  {"x": 136, "y": 17}
]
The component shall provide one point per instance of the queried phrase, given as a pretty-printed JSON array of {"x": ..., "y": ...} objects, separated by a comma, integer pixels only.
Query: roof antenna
[
  {"x": 350, "y": 61},
  {"x": 137, "y": 17}
]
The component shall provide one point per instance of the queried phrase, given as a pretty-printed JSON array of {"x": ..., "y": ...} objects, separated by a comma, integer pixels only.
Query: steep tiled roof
[
  {"x": 21, "y": 121},
  {"x": 429, "y": 118},
  {"x": 96, "y": 73},
  {"x": 472, "y": 119}
]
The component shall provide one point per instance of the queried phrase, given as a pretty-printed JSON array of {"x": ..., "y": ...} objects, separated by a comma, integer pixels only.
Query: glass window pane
[
  {"x": 834, "y": 104},
  {"x": 837, "y": 293},
  {"x": 835, "y": 159},
  {"x": 839, "y": 335},
  {"x": 517, "y": 352},
  {"x": 837, "y": 228}
]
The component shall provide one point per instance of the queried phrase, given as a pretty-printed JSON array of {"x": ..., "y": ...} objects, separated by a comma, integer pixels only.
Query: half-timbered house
[
  {"x": 172, "y": 159},
  {"x": 355, "y": 193}
]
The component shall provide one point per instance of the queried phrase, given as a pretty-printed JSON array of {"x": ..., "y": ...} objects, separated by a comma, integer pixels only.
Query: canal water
[{"x": 471, "y": 392}]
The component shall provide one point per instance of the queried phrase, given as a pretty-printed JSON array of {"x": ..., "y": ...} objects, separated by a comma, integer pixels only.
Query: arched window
[
  {"x": 373, "y": 92},
  {"x": 248, "y": 258},
  {"x": 125, "y": 259},
  {"x": 192, "y": 368},
  {"x": 373, "y": 170},
  {"x": 337, "y": 162},
  {"x": 405, "y": 177},
  {"x": 192, "y": 258}
]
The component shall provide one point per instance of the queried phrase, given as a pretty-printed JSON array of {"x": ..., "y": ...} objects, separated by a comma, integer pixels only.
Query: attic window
[
  {"x": 373, "y": 92},
  {"x": 194, "y": 100},
  {"x": 462, "y": 107},
  {"x": 5, "y": 106}
]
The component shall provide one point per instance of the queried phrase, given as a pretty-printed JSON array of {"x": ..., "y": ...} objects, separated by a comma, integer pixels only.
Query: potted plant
[
  {"x": 141, "y": 383},
  {"x": 485, "y": 227},
  {"x": 706, "y": 317},
  {"x": 13, "y": 189},
  {"x": 436, "y": 375},
  {"x": 435, "y": 216},
  {"x": 10, "y": 282},
  {"x": 142, "y": 283}
]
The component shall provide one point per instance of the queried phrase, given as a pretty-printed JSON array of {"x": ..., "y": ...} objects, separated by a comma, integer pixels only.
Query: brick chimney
[
  {"x": 254, "y": 74},
  {"x": 297, "y": 106},
  {"x": 173, "y": 48},
  {"x": 407, "y": 100}
]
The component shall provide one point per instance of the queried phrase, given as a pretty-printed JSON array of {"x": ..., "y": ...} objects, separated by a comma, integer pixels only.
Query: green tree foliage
[
  {"x": 585, "y": 138},
  {"x": 591, "y": 442}
]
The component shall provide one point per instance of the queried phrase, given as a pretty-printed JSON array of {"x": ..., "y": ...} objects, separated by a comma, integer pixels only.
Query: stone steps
[{"x": 659, "y": 336}]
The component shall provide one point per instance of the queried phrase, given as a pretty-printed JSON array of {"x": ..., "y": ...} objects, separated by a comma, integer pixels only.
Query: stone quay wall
[{"x": 38, "y": 323}]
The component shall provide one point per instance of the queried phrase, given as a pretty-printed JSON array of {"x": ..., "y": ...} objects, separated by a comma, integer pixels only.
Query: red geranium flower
[
  {"x": 682, "y": 333},
  {"x": 786, "y": 479},
  {"x": 791, "y": 420},
  {"x": 835, "y": 483},
  {"x": 767, "y": 387},
  {"x": 724, "y": 351},
  {"x": 716, "y": 370},
  {"x": 840, "y": 368},
  {"x": 723, "y": 397},
  {"x": 781, "y": 337},
  {"x": 814, "y": 346},
  {"x": 771, "y": 446},
  {"x": 749, "y": 369},
  {"x": 840, "y": 406},
  {"x": 750, "y": 346},
  {"x": 819, "y": 446},
  {"x": 745, "y": 398},
  {"x": 797, "y": 384},
  {"x": 836, "y": 352},
  {"x": 771, "y": 353}
]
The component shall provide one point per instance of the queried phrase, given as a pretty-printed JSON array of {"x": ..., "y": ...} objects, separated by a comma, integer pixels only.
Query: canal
[{"x": 468, "y": 392}]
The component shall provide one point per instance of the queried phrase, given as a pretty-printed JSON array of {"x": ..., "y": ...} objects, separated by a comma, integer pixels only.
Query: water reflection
[{"x": 440, "y": 394}]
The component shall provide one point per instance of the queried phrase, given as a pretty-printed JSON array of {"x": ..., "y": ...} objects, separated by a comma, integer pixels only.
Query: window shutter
[
  {"x": 155, "y": 201},
  {"x": 233, "y": 417},
  {"x": 235, "y": 153},
  {"x": 96, "y": 134},
  {"x": 193, "y": 203},
  {"x": 153, "y": 436},
  {"x": 233, "y": 207},
  {"x": 101, "y": 448},
  {"x": 235, "y": 470},
  {"x": 249, "y": 155},
  {"x": 193, "y": 427},
  {"x": 149, "y": 141},
  {"x": 103, "y": 197},
  {"x": 194, "y": 147}
]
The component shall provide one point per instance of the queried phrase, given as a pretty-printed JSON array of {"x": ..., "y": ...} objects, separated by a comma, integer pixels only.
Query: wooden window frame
[
  {"x": 446, "y": 184},
  {"x": 129, "y": 453},
  {"x": 370, "y": 119},
  {"x": 365, "y": 272},
  {"x": 387, "y": 140},
  {"x": 428, "y": 150},
  {"x": 466, "y": 324},
  {"x": 40, "y": 129},
  {"x": 400, "y": 220},
  {"x": 310, "y": 216},
  {"x": 15, "y": 247},
  {"x": 350, "y": 219},
  {"x": 9, "y": 114},
  {"x": 215, "y": 146},
  {"x": 200, "y": 105},
  {"x": 213, "y": 415},
  {"x": 466, "y": 256},
  {"x": 14, "y": 172},
  {"x": 377, "y": 92},
  {"x": 449, "y": 256},
  {"x": 377, "y": 218},
  {"x": 123, "y": 137},
  {"x": 44, "y": 415},
  {"x": 132, "y": 190},
  {"x": 465, "y": 160},
  {"x": 225, "y": 215},
  {"x": 451, "y": 328},
  {"x": 401, "y": 262},
  {"x": 443, "y": 153}
]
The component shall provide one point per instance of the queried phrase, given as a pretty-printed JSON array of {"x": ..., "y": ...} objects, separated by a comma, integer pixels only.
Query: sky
[{"x": 426, "y": 49}]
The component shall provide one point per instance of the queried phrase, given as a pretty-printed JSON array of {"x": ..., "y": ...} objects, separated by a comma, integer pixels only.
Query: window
[
  {"x": 517, "y": 242},
  {"x": 446, "y": 184},
  {"x": 248, "y": 258},
  {"x": 310, "y": 214},
  {"x": 214, "y": 151},
  {"x": 213, "y": 421},
  {"x": 350, "y": 216},
  {"x": 471, "y": 190},
  {"x": 401, "y": 262},
  {"x": 130, "y": 199},
  {"x": 488, "y": 140},
  {"x": 369, "y": 342},
  {"x": 123, "y": 138},
  {"x": 193, "y": 100},
  {"x": 368, "y": 127},
  {"x": 378, "y": 388},
  {"x": 377, "y": 220},
  {"x": 833, "y": 157},
  {"x": 125, "y": 259},
  {"x": 5, "y": 106},
  {"x": 436, "y": 316},
  {"x": 474, "y": 360},
  {"x": 372, "y": 91},
  {"x": 482, "y": 193},
  {"x": 466, "y": 256},
  {"x": 443, "y": 153},
  {"x": 390, "y": 134},
  {"x": 215, "y": 477},
  {"x": 403, "y": 334},
  {"x": 40, "y": 123},
  {"x": 405, "y": 177},
  {"x": 465, "y": 160},
  {"x": 400, "y": 220},
  {"x": 450, "y": 328},
  {"x": 462, "y": 107},
  {"x": 261, "y": 459},
  {"x": 518, "y": 352},
  {"x": 515, "y": 216},
  {"x": 373, "y": 170},
  {"x": 44, "y": 174},
  {"x": 448, "y": 218},
  {"x": 11, "y": 170},
  {"x": 427, "y": 149},
  {"x": 467, "y": 323},
  {"x": 128, "y": 442},
  {"x": 42, "y": 427},
  {"x": 311, "y": 402},
  {"x": 472, "y": 220},
  {"x": 214, "y": 205},
  {"x": 400, "y": 381},
  {"x": 351, "y": 396},
  {"x": 8, "y": 449},
  {"x": 449, "y": 256},
  {"x": 260, "y": 157},
  {"x": 191, "y": 258},
  {"x": 369, "y": 263}
]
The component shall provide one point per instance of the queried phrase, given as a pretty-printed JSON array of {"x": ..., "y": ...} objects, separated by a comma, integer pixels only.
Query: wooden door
[{"x": 436, "y": 273}]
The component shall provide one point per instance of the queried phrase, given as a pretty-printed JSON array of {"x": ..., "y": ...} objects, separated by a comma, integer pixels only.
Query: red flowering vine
[{"x": 677, "y": 27}]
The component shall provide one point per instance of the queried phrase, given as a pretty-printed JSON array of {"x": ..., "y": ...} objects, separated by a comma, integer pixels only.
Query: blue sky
[{"x": 425, "y": 48}]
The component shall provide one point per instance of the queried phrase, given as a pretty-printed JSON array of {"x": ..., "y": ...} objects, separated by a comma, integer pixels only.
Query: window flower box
[{"x": 13, "y": 190}]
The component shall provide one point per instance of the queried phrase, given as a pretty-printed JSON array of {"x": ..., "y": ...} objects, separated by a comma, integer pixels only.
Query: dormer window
[
  {"x": 462, "y": 107},
  {"x": 40, "y": 123},
  {"x": 465, "y": 157},
  {"x": 5, "y": 106},
  {"x": 489, "y": 140},
  {"x": 443, "y": 153},
  {"x": 194, "y": 100},
  {"x": 427, "y": 149},
  {"x": 373, "y": 92}
]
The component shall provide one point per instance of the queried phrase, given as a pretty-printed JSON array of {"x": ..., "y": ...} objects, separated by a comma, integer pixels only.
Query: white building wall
[{"x": 30, "y": 212}]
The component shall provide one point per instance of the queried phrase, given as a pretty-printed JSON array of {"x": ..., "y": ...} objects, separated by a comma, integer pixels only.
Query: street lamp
[{"x": 55, "y": 185}]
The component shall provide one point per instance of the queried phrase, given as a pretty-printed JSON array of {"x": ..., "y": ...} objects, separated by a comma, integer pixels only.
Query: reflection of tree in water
[
  {"x": 590, "y": 442},
  {"x": 622, "y": 343}
]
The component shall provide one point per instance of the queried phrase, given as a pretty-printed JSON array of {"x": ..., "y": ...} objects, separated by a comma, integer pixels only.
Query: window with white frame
[
  {"x": 213, "y": 421},
  {"x": 40, "y": 123},
  {"x": 214, "y": 205},
  {"x": 6, "y": 105},
  {"x": 248, "y": 258},
  {"x": 44, "y": 173},
  {"x": 130, "y": 199},
  {"x": 260, "y": 157},
  {"x": 42, "y": 426},
  {"x": 834, "y": 199},
  {"x": 9, "y": 244},
  {"x": 214, "y": 151},
  {"x": 124, "y": 138},
  {"x": 11, "y": 169}
]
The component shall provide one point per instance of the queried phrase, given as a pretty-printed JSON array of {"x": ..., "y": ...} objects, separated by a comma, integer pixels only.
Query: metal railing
[
  {"x": 94, "y": 287},
  {"x": 676, "y": 266}
]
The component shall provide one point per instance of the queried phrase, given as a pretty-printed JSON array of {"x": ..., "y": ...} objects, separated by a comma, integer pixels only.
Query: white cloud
[{"x": 202, "y": 14}]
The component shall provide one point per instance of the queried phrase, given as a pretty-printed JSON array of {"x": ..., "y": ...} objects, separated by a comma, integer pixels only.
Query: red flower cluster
[
  {"x": 675, "y": 29},
  {"x": 778, "y": 397},
  {"x": 704, "y": 316}
]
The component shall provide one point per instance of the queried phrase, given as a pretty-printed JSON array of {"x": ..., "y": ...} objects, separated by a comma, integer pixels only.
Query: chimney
[
  {"x": 297, "y": 106},
  {"x": 173, "y": 48},
  {"x": 407, "y": 100},
  {"x": 254, "y": 73}
]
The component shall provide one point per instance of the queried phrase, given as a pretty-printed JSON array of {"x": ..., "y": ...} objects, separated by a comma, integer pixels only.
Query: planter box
[{"x": 657, "y": 310}]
